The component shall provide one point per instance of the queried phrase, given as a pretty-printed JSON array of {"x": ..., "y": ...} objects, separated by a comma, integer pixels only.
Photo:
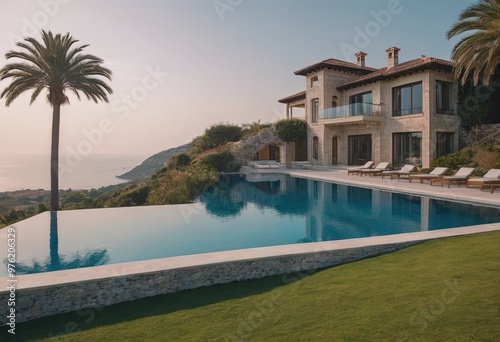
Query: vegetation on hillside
[{"x": 482, "y": 157}]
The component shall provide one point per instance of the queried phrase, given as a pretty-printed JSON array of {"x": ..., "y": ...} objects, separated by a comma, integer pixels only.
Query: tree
[
  {"x": 478, "y": 54},
  {"x": 290, "y": 131},
  {"x": 56, "y": 66}
]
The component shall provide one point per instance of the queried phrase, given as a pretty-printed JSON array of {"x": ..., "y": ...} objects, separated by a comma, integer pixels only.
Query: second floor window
[
  {"x": 444, "y": 98},
  {"x": 314, "y": 110},
  {"x": 314, "y": 81},
  {"x": 407, "y": 99},
  {"x": 361, "y": 104}
]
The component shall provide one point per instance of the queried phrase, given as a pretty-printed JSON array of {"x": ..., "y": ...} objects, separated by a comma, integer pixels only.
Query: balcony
[{"x": 352, "y": 114}]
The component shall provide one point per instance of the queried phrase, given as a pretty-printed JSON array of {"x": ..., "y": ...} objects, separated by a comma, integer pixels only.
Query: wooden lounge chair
[
  {"x": 492, "y": 184},
  {"x": 458, "y": 178},
  {"x": 438, "y": 172},
  {"x": 377, "y": 171},
  {"x": 491, "y": 175},
  {"x": 405, "y": 171},
  {"x": 355, "y": 170}
]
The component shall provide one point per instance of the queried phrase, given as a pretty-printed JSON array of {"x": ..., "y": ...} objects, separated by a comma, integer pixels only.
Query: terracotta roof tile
[
  {"x": 400, "y": 69},
  {"x": 332, "y": 62},
  {"x": 294, "y": 97}
]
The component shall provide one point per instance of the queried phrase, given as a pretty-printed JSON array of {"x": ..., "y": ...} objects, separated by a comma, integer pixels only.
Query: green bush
[
  {"x": 222, "y": 162},
  {"x": 291, "y": 130},
  {"x": 455, "y": 160},
  {"x": 218, "y": 135},
  {"x": 179, "y": 162}
]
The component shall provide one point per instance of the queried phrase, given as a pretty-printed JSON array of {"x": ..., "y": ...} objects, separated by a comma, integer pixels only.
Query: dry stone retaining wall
[{"x": 47, "y": 301}]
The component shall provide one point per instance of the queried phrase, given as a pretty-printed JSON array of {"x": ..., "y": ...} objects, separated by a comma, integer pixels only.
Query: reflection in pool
[{"x": 234, "y": 214}]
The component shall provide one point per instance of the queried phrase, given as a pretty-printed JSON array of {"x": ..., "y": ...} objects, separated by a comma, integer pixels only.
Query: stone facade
[
  {"x": 338, "y": 84},
  {"x": 37, "y": 302}
]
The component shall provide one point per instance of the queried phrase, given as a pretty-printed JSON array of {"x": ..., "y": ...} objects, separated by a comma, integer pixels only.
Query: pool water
[{"x": 237, "y": 213}]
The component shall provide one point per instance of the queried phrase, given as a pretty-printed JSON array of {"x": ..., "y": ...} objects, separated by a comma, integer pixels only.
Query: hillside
[{"x": 153, "y": 163}]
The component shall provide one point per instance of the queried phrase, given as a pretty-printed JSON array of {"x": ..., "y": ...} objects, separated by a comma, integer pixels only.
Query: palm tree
[
  {"x": 56, "y": 66},
  {"x": 478, "y": 54}
]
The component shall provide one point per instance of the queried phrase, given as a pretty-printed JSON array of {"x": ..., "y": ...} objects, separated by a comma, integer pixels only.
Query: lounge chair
[
  {"x": 438, "y": 172},
  {"x": 405, "y": 171},
  {"x": 491, "y": 175},
  {"x": 377, "y": 171},
  {"x": 264, "y": 164},
  {"x": 462, "y": 176},
  {"x": 355, "y": 170},
  {"x": 492, "y": 183}
]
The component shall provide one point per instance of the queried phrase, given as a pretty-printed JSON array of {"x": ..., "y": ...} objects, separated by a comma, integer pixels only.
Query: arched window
[
  {"x": 314, "y": 110},
  {"x": 335, "y": 101},
  {"x": 315, "y": 148}
]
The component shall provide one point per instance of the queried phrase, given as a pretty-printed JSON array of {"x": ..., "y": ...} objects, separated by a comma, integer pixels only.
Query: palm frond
[{"x": 57, "y": 65}]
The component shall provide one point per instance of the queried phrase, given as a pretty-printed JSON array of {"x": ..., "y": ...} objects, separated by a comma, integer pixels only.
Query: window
[
  {"x": 361, "y": 104},
  {"x": 407, "y": 99},
  {"x": 314, "y": 110},
  {"x": 407, "y": 148},
  {"x": 335, "y": 101},
  {"x": 444, "y": 143},
  {"x": 444, "y": 98},
  {"x": 315, "y": 148},
  {"x": 314, "y": 81}
]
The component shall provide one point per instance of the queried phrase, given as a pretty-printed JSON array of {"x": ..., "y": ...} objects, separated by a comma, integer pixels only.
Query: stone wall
[
  {"x": 61, "y": 298},
  {"x": 248, "y": 147},
  {"x": 480, "y": 135}
]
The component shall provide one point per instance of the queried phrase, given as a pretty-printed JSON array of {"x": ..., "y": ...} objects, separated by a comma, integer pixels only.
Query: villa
[{"x": 404, "y": 113}]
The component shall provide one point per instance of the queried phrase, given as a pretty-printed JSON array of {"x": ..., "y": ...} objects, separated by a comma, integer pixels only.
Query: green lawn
[{"x": 443, "y": 290}]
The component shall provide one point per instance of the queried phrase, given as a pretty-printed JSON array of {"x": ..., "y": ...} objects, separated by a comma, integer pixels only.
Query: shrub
[
  {"x": 291, "y": 130},
  {"x": 486, "y": 159},
  {"x": 218, "y": 135},
  {"x": 222, "y": 162},
  {"x": 179, "y": 162},
  {"x": 455, "y": 160}
]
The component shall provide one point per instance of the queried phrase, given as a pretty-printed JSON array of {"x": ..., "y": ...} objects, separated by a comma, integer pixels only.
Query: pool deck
[
  {"x": 47, "y": 281},
  {"x": 454, "y": 193}
]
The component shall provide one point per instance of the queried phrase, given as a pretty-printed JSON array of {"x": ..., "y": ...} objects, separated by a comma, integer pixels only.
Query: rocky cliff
[{"x": 153, "y": 163}]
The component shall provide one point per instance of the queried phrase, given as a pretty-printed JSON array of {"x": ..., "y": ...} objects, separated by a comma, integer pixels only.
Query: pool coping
[{"x": 58, "y": 278}]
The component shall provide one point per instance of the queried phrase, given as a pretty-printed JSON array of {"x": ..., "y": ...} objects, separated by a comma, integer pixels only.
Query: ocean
[{"x": 32, "y": 171}]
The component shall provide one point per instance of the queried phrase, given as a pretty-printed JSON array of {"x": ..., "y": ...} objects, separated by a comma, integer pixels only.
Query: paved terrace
[{"x": 339, "y": 175}]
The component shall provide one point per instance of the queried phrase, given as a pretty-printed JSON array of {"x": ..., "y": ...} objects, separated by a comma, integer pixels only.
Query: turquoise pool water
[{"x": 236, "y": 214}]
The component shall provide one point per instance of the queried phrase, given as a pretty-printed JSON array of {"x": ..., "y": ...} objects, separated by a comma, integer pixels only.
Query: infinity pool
[{"x": 238, "y": 213}]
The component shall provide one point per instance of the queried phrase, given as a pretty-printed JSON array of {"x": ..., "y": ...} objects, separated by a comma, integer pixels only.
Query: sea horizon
[{"x": 31, "y": 170}]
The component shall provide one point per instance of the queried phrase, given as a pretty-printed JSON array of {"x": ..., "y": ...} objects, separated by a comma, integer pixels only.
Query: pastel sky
[{"x": 180, "y": 66}]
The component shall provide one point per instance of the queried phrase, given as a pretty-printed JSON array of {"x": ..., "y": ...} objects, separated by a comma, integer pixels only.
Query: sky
[{"x": 180, "y": 66}]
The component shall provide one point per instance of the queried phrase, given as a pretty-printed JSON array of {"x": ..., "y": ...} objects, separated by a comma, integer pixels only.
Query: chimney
[
  {"x": 360, "y": 55},
  {"x": 392, "y": 57}
]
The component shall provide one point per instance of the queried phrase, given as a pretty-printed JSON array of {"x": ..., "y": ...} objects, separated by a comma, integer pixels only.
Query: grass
[{"x": 441, "y": 290}]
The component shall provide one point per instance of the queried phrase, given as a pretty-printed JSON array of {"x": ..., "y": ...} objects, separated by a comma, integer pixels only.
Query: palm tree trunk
[{"x": 54, "y": 159}]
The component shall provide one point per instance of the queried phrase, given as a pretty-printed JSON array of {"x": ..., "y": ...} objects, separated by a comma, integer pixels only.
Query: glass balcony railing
[{"x": 353, "y": 109}]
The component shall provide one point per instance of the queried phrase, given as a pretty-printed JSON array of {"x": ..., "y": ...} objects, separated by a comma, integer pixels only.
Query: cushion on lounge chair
[
  {"x": 439, "y": 171},
  {"x": 491, "y": 175},
  {"x": 461, "y": 176},
  {"x": 436, "y": 173},
  {"x": 405, "y": 171}
]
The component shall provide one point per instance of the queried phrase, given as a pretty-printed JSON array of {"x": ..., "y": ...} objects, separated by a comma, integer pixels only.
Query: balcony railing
[{"x": 354, "y": 109}]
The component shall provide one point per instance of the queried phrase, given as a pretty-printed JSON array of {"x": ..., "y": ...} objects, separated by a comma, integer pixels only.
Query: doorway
[
  {"x": 335, "y": 151},
  {"x": 360, "y": 149}
]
